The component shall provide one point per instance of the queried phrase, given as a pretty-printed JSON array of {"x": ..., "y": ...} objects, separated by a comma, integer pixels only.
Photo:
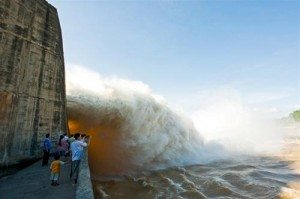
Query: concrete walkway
[{"x": 33, "y": 182}]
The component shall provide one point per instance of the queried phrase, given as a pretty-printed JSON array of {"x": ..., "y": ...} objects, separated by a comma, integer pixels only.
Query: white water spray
[{"x": 134, "y": 129}]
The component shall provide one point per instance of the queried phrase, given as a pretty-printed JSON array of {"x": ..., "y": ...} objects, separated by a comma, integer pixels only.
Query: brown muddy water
[
  {"x": 135, "y": 134},
  {"x": 248, "y": 177}
]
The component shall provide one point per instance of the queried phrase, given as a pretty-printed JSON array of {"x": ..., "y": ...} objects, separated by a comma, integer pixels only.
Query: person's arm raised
[
  {"x": 87, "y": 139},
  {"x": 83, "y": 143}
]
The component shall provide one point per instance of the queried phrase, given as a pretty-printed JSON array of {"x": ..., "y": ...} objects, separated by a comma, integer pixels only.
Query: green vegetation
[{"x": 295, "y": 115}]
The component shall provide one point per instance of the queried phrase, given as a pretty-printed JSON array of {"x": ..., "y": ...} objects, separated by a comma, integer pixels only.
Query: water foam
[{"x": 134, "y": 129}]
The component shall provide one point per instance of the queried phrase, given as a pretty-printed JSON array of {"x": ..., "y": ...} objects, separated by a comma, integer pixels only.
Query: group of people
[{"x": 65, "y": 146}]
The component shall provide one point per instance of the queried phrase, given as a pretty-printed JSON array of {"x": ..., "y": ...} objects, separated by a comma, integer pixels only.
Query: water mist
[{"x": 134, "y": 130}]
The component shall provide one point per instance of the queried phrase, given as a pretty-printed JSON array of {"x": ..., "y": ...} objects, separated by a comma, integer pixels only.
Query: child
[{"x": 55, "y": 170}]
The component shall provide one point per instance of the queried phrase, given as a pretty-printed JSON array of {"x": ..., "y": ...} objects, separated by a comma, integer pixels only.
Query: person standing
[
  {"x": 62, "y": 146},
  {"x": 77, "y": 153},
  {"x": 46, "y": 149}
]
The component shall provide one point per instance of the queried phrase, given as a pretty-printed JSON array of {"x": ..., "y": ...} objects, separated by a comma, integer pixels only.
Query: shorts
[{"x": 54, "y": 176}]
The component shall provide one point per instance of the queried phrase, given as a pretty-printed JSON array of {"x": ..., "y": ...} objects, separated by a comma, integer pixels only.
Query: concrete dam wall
[{"x": 32, "y": 78}]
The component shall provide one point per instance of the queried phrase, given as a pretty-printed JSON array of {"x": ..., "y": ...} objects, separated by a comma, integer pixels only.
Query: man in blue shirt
[{"x": 46, "y": 149}]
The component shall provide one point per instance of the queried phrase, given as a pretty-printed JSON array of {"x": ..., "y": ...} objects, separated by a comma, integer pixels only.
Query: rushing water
[
  {"x": 142, "y": 148},
  {"x": 249, "y": 177}
]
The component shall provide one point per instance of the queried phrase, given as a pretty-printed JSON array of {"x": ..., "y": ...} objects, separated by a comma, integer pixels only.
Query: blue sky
[{"x": 183, "y": 49}]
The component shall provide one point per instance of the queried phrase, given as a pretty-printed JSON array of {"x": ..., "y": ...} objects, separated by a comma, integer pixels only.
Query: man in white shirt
[{"x": 77, "y": 153}]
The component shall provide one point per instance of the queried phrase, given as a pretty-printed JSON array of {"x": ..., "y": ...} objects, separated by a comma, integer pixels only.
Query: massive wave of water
[{"x": 134, "y": 130}]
